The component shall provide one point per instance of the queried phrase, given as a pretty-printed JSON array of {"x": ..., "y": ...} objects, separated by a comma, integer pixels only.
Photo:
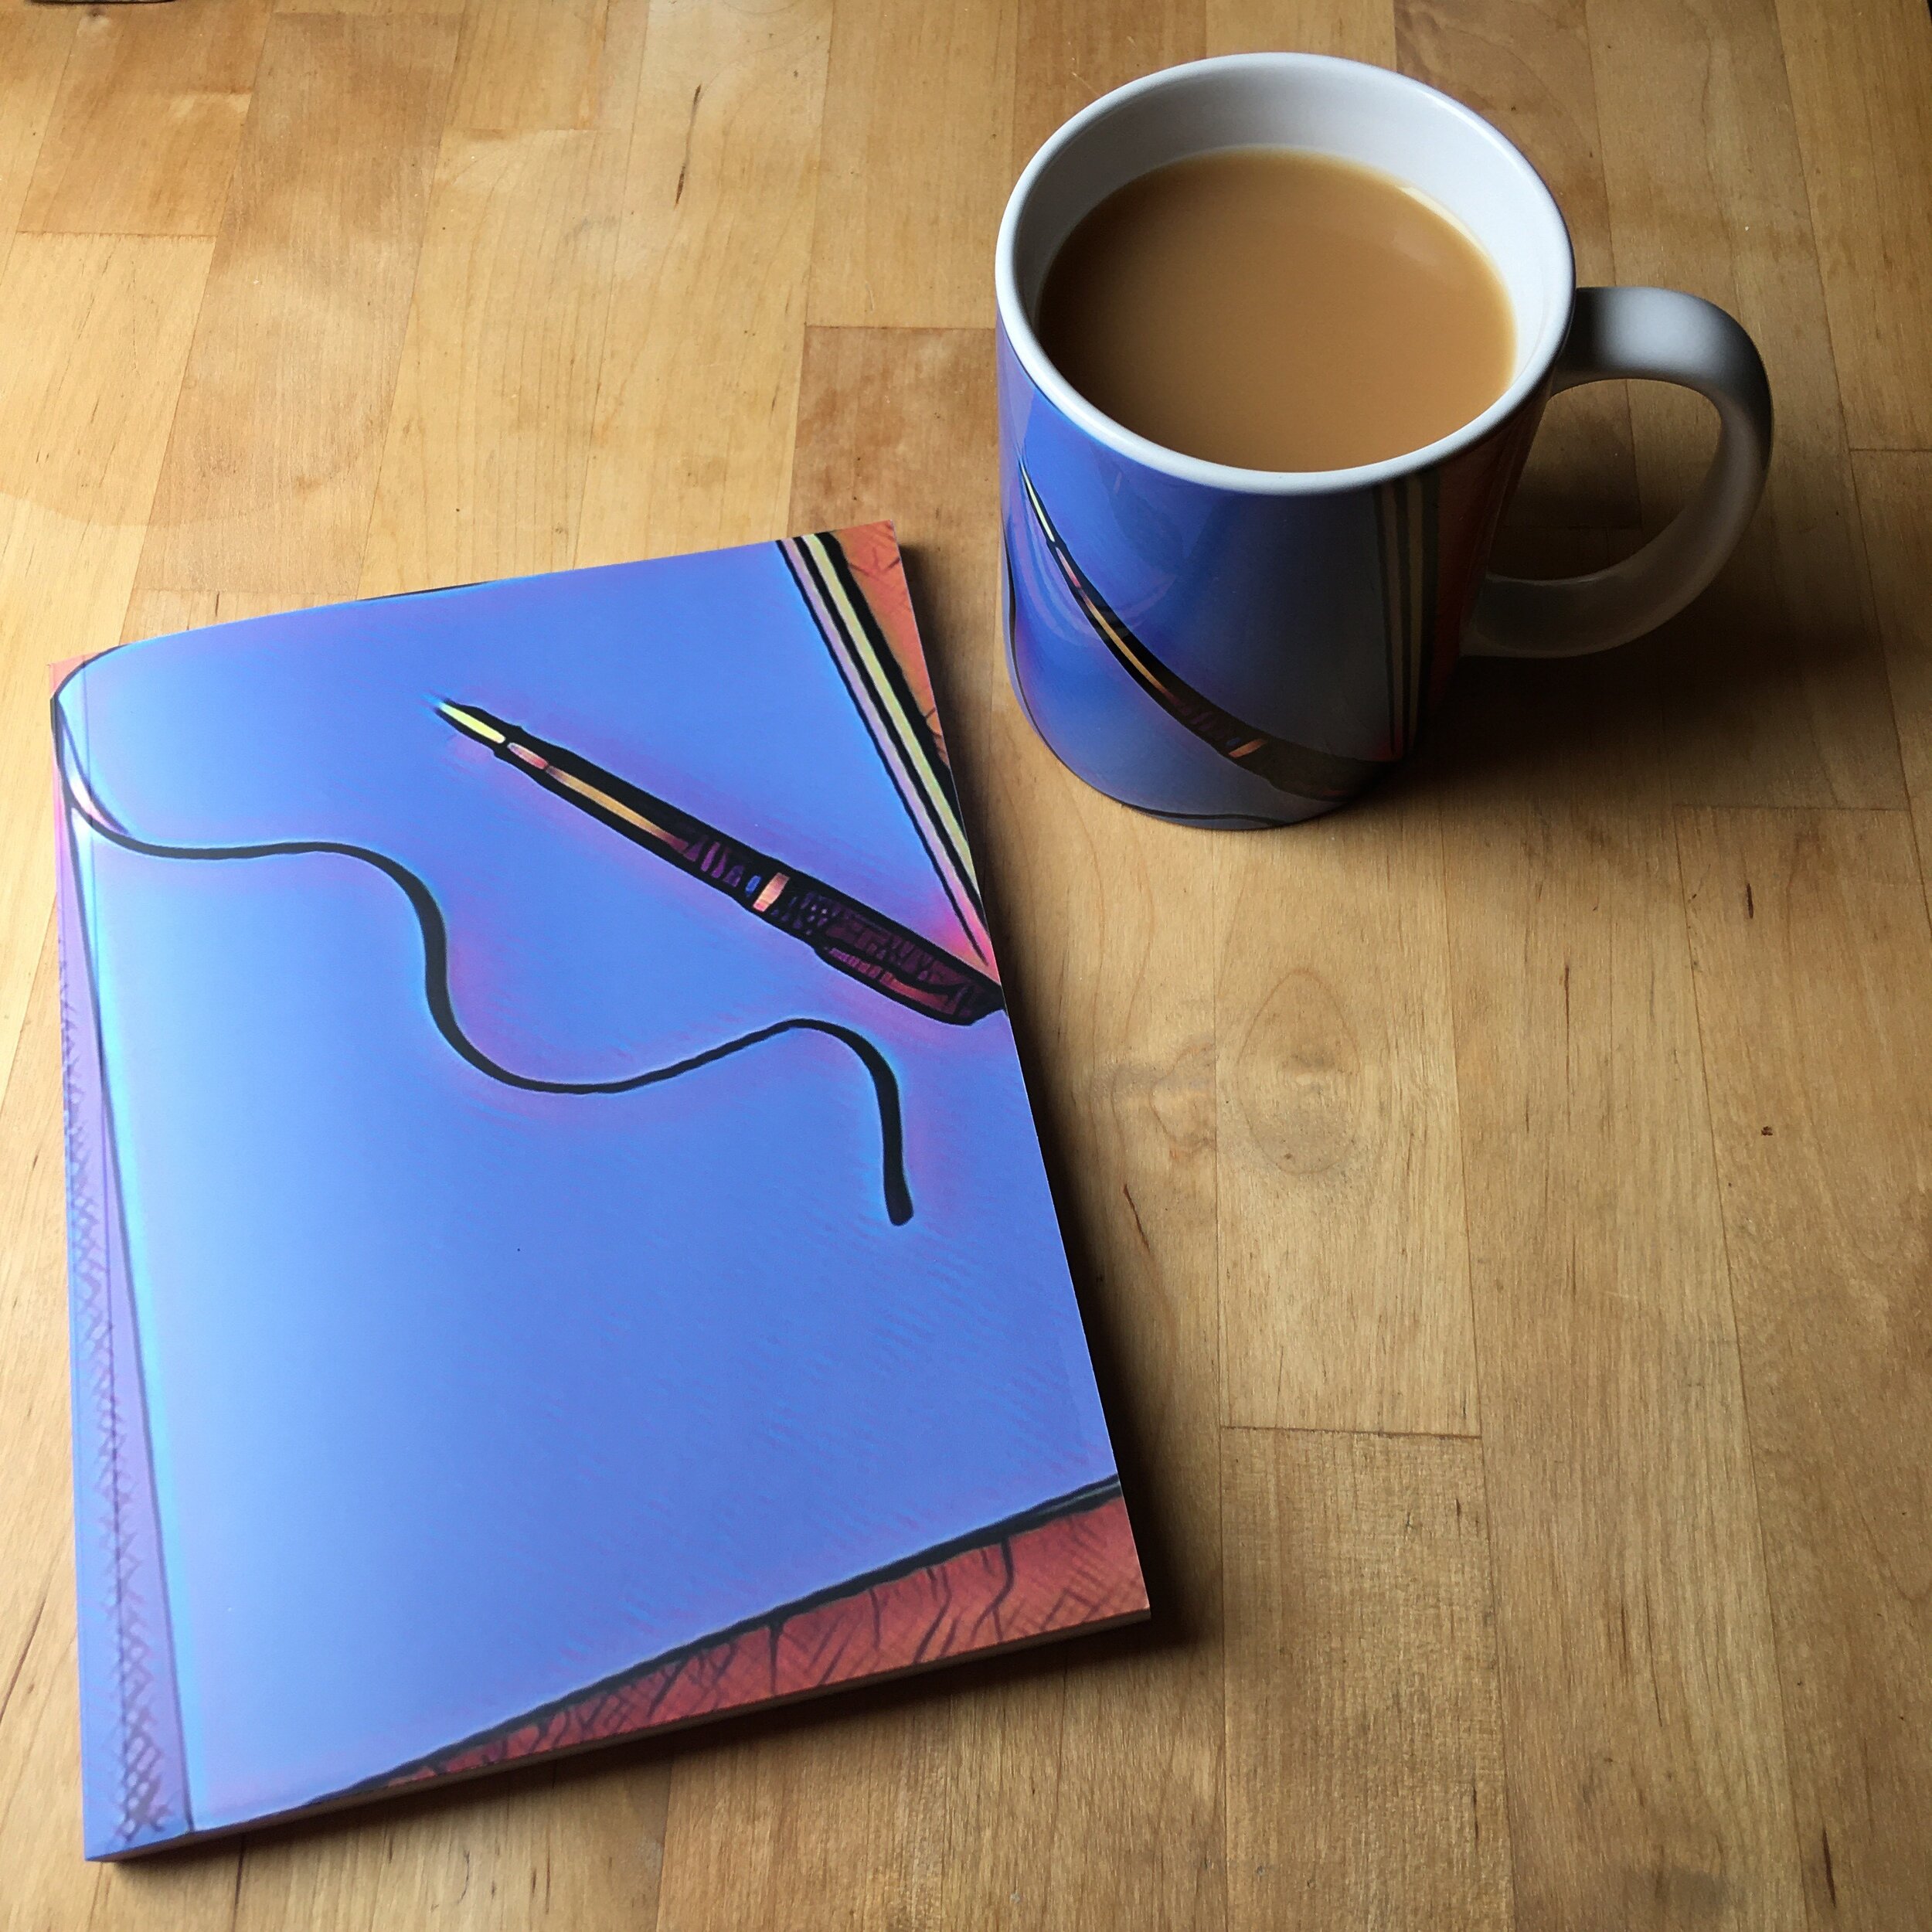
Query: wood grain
[
  {"x": 159, "y": 613},
  {"x": 1353, "y": 29},
  {"x": 35, "y": 42},
  {"x": 1776, "y": 688},
  {"x": 1431, "y": 1139},
  {"x": 1364, "y": 1771},
  {"x": 568, "y": 65},
  {"x": 1070, "y": 53},
  {"x": 692, "y": 444},
  {"x": 1861, "y": 81},
  {"x": 489, "y": 435},
  {"x": 272, "y": 464},
  {"x": 1895, "y": 502},
  {"x": 144, "y": 135},
  {"x": 405, "y": 9},
  {"x": 558, "y": 1848},
  {"x": 1098, "y": 919},
  {"x": 1344, "y": 1265},
  {"x": 1813, "y": 959},
  {"x": 919, "y": 116},
  {"x": 1640, "y": 1698}
]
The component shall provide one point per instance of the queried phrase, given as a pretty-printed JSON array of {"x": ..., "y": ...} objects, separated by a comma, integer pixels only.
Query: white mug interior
[{"x": 1322, "y": 105}]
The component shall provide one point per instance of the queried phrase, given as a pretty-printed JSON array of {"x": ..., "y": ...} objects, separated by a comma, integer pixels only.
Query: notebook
[{"x": 558, "y": 1244}]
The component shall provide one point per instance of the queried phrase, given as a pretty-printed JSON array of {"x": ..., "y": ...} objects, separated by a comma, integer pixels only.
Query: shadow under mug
[{"x": 1242, "y": 647}]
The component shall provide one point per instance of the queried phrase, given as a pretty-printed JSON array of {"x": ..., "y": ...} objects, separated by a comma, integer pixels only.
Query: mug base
[
  {"x": 1293, "y": 811},
  {"x": 1195, "y": 820},
  {"x": 1228, "y": 822}
]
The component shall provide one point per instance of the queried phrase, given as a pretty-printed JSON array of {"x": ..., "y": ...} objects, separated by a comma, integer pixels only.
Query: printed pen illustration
[{"x": 877, "y": 951}]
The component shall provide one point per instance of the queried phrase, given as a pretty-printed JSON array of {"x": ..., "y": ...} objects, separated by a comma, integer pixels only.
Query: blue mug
[{"x": 1241, "y": 647}]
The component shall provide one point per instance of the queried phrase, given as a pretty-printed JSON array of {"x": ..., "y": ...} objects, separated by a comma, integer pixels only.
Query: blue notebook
[{"x": 558, "y": 1244}]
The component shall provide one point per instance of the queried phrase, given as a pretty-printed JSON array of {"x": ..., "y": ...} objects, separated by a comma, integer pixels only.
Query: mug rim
[{"x": 1019, "y": 328}]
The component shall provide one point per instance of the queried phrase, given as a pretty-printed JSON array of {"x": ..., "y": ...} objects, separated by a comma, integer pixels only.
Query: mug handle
[{"x": 1660, "y": 335}]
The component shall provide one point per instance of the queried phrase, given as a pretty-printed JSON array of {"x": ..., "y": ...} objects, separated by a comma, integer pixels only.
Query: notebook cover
[{"x": 540, "y": 1272}]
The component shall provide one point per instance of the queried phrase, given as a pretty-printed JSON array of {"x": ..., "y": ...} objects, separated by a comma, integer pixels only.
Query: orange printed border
[{"x": 1075, "y": 1570}]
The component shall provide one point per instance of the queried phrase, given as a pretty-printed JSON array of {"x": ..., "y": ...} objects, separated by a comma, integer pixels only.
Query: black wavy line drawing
[{"x": 436, "y": 987}]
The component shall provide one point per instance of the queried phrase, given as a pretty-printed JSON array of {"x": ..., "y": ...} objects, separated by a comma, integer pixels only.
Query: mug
[{"x": 1242, "y": 647}]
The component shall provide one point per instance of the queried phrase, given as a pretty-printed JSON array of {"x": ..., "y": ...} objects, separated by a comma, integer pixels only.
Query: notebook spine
[{"x": 133, "y": 1770}]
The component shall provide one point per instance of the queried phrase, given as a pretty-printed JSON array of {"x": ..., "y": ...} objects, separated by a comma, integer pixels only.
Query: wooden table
[{"x": 1503, "y": 1210}]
